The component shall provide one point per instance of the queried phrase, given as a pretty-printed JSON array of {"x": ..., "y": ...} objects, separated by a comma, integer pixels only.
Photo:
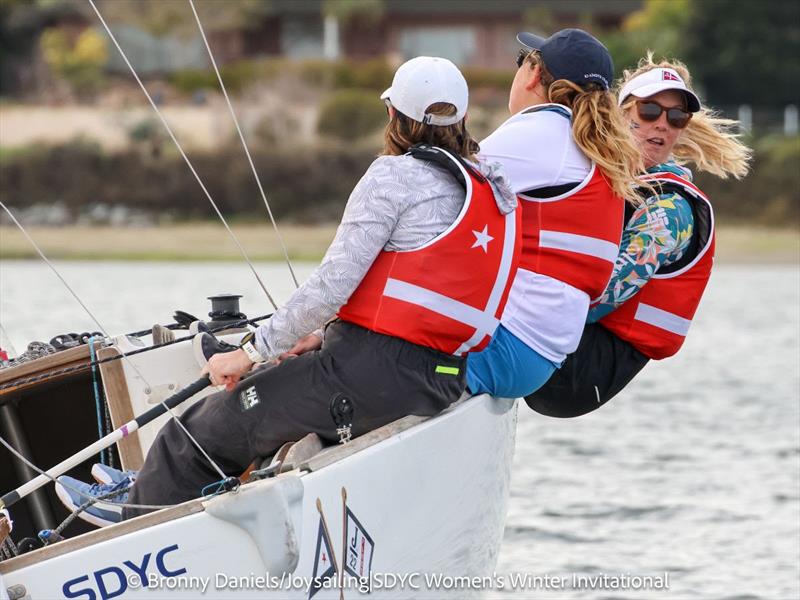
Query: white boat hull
[{"x": 432, "y": 497}]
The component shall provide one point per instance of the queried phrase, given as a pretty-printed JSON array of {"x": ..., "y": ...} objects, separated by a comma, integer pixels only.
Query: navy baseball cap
[{"x": 574, "y": 55}]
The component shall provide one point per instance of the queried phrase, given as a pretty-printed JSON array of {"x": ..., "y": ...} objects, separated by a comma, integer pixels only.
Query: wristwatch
[{"x": 249, "y": 347}]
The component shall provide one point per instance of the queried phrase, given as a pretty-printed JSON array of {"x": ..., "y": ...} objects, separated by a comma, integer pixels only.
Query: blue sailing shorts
[{"x": 507, "y": 367}]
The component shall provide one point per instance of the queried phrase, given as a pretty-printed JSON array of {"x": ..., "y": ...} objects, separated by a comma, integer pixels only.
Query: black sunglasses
[
  {"x": 650, "y": 111},
  {"x": 521, "y": 56}
]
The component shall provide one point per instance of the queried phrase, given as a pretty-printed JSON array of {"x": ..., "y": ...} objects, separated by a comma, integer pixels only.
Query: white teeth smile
[{"x": 656, "y": 141}]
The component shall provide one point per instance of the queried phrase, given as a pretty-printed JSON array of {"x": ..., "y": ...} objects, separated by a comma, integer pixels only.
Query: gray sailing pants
[{"x": 384, "y": 377}]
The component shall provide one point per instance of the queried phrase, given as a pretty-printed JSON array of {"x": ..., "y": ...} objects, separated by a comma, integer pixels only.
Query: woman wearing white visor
[
  {"x": 418, "y": 275},
  {"x": 573, "y": 163},
  {"x": 667, "y": 246}
]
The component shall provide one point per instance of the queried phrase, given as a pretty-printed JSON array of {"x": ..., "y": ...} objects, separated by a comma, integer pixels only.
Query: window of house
[
  {"x": 301, "y": 38},
  {"x": 456, "y": 43}
]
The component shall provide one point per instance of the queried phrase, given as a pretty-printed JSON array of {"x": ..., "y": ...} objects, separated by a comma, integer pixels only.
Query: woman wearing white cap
[
  {"x": 418, "y": 274},
  {"x": 572, "y": 161},
  {"x": 667, "y": 247}
]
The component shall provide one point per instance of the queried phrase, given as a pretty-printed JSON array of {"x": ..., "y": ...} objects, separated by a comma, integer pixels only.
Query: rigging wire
[
  {"x": 244, "y": 144},
  {"x": 52, "y": 268},
  {"x": 21, "y": 457},
  {"x": 105, "y": 333},
  {"x": 4, "y": 336},
  {"x": 183, "y": 154},
  {"x": 54, "y": 374}
]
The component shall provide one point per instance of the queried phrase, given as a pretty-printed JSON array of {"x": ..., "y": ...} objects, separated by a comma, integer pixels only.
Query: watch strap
[{"x": 249, "y": 347}]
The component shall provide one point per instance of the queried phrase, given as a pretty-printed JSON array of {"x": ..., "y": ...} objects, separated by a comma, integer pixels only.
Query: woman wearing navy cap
[
  {"x": 667, "y": 247},
  {"x": 418, "y": 274},
  {"x": 572, "y": 162}
]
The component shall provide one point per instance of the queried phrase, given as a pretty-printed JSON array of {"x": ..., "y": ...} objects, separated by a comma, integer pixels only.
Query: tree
[
  {"x": 80, "y": 63},
  {"x": 21, "y": 23},
  {"x": 160, "y": 18},
  {"x": 660, "y": 26},
  {"x": 346, "y": 10},
  {"x": 746, "y": 52}
]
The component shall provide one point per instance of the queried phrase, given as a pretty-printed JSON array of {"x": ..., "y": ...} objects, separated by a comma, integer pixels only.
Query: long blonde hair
[
  {"x": 599, "y": 129},
  {"x": 708, "y": 141},
  {"x": 402, "y": 132}
]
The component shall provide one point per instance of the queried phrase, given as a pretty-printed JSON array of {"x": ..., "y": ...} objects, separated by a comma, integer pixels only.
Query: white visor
[{"x": 658, "y": 80}]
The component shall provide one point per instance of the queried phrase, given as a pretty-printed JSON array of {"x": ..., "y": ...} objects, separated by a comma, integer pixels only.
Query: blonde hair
[
  {"x": 599, "y": 129},
  {"x": 402, "y": 132},
  {"x": 708, "y": 140}
]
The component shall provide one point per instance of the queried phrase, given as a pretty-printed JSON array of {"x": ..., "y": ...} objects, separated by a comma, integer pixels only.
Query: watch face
[{"x": 248, "y": 338}]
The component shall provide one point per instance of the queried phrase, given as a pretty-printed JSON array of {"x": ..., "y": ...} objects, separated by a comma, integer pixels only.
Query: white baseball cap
[
  {"x": 426, "y": 80},
  {"x": 655, "y": 81}
]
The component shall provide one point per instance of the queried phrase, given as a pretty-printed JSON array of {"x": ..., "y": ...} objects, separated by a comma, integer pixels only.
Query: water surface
[{"x": 693, "y": 471}]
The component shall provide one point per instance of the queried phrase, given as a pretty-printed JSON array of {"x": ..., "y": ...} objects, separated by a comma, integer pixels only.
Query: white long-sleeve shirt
[{"x": 399, "y": 204}]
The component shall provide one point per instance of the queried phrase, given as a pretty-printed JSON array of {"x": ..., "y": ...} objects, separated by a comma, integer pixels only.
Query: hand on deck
[{"x": 228, "y": 368}]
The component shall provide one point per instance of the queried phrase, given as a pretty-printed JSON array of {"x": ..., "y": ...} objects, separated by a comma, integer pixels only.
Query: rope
[
  {"x": 183, "y": 154},
  {"x": 213, "y": 204},
  {"x": 21, "y": 457},
  {"x": 34, "y": 351},
  {"x": 4, "y": 335},
  {"x": 52, "y": 268},
  {"x": 64, "y": 281},
  {"x": 80, "y": 368},
  {"x": 109, "y": 427},
  {"x": 130, "y": 363},
  {"x": 229, "y": 484},
  {"x": 97, "y": 402},
  {"x": 244, "y": 145},
  {"x": 8, "y": 549},
  {"x": 57, "y": 531}
]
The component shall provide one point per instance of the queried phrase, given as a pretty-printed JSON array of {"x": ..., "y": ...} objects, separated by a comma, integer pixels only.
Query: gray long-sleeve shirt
[{"x": 399, "y": 204}]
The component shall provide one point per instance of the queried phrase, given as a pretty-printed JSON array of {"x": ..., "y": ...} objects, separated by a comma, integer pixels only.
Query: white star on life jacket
[{"x": 482, "y": 238}]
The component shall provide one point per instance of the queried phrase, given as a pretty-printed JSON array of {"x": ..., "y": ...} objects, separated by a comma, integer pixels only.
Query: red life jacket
[
  {"x": 656, "y": 320},
  {"x": 448, "y": 294},
  {"x": 572, "y": 232}
]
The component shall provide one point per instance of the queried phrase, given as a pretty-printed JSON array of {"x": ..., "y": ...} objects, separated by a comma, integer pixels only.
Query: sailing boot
[
  {"x": 105, "y": 474},
  {"x": 106, "y": 499},
  {"x": 205, "y": 345}
]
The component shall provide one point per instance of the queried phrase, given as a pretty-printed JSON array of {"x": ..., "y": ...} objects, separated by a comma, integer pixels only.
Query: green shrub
[
  {"x": 315, "y": 72},
  {"x": 189, "y": 81},
  {"x": 351, "y": 114},
  {"x": 79, "y": 62},
  {"x": 371, "y": 75},
  {"x": 144, "y": 130},
  {"x": 499, "y": 79},
  {"x": 374, "y": 75},
  {"x": 311, "y": 184},
  {"x": 770, "y": 194},
  {"x": 237, "y": 76},
  {"x": 308, "y": 185}
]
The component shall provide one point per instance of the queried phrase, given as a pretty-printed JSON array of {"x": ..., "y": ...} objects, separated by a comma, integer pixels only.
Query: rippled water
[{"x": 692, "y": 474}]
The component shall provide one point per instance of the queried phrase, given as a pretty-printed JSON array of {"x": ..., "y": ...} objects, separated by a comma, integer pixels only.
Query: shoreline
[{"x": 208, "y": 241}]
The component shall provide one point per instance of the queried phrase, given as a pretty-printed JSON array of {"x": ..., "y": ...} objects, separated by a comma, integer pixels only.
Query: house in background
[
  {"x": 472, "y": 33},
  {"x": 477, "y": 33}
]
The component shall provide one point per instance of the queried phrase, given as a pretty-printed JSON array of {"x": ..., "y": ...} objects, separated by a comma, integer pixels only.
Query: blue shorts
[{"x": 507, "y": 367}]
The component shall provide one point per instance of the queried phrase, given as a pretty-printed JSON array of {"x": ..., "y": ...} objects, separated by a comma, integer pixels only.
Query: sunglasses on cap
[{"x": 650, "y": 111}]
